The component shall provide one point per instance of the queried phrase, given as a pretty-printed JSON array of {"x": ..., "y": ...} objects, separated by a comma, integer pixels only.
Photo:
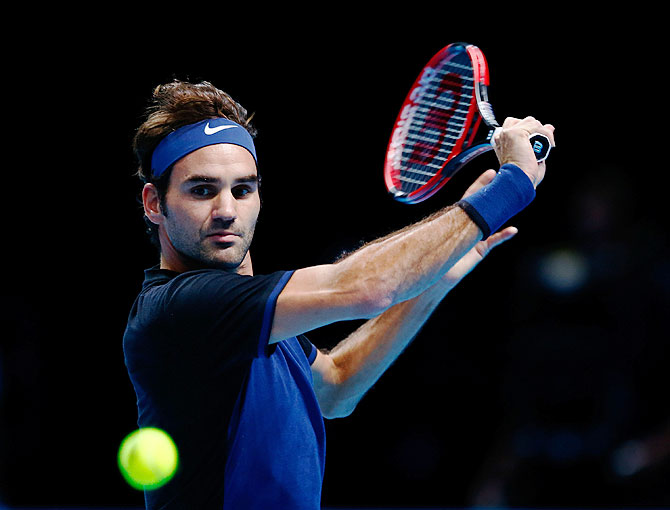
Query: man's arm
[
  {"x": 375, "y": 278},
  {"x": 344, "y": 375},
  {"x": 400, "y": 267}
]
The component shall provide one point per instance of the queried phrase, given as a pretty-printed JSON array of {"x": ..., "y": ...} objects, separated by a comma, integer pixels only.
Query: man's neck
[{"x": 178, "y": 265}]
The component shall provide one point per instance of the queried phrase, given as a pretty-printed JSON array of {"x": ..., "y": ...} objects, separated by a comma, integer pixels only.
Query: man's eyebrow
[
  {"x": 248, "y": 178},
  {"x": 209, "y": 179},
  {"x": 200, "y": 178}
]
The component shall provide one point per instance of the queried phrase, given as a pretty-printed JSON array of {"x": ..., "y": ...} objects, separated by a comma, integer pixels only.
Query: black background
[{"x": 515, "y": 393}]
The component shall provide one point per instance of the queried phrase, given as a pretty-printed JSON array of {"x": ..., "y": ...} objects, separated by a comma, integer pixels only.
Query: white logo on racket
[{"x": 211, "y": 131}]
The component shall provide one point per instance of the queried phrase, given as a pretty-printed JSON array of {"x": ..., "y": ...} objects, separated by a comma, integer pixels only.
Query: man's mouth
[{"x": 223, "y": 236}]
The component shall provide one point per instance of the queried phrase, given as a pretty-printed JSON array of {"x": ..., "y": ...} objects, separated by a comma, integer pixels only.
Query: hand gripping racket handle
[{"x": 539, "y": 142}]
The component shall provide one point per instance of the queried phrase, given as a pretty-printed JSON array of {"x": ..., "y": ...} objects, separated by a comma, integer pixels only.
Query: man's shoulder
[{"x": 203, "y": 286}]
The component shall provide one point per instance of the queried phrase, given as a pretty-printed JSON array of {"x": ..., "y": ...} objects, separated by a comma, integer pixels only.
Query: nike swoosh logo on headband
[{"x": 211, "y": 131}]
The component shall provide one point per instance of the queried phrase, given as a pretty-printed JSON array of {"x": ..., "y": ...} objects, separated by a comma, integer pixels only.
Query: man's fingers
[
  {"x": 496, "y": 239},
  {"x": 550, "y": 132},
  {"x": 510, "y": 121},
  {"x": 531, "y": 125},
  {"x": 504, "y": 235}
]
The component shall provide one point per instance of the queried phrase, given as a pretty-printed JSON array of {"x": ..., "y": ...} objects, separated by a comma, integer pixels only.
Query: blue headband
[{"x": 189, "y": 138}]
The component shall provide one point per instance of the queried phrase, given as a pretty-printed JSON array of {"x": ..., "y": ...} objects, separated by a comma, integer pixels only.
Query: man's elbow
[
  {"x": 371, "y": 299},
  {"x": 364, "y": 294},
  {"x": 339, "y": 410},
  {"x": 335, "y": 403},
  {"x": 332, "y": 392},
  {"x": 373, "y": 305}
]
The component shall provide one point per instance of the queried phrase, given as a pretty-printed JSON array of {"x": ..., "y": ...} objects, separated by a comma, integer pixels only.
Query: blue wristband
[{"x": 508, "y": 193}]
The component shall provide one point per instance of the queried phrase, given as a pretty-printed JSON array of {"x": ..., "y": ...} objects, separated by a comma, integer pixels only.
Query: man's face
[{"x": 212, "y": 206}]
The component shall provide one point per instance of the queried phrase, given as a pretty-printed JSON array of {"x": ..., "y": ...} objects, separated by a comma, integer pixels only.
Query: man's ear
[{"x": 151, "y": 202}]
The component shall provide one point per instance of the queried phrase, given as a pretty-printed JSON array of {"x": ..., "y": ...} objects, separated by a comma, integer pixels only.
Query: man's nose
[{"x": 225, "y": 207}]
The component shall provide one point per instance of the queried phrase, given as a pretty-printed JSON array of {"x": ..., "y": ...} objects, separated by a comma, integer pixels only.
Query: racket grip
[
  {"x": 541, "y": 146},
  {"x": 540, "y": 143}
]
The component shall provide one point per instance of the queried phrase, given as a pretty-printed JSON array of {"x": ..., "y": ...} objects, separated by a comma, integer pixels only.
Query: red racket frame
[{"x": 472, "y": 123}]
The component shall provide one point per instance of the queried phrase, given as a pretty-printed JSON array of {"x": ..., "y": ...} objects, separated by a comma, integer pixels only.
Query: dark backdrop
[{"x": 536, "y": 382}]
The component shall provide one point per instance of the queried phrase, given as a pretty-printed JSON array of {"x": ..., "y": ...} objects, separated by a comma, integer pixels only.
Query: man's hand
[
  {"x": 480, "y": 250},
  {"x": 512, "y": 146}
]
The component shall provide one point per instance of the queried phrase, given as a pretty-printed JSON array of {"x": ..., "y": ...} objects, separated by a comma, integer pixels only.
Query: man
[{"x": 217, "y": 354}]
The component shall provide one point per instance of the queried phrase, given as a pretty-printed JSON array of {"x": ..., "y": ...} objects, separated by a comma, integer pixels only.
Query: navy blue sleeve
[
  {"x": 308, "y": 348},
  {"x": 219, "y": 314}
]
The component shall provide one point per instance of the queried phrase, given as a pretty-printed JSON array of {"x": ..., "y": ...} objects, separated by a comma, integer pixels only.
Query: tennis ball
[{"x": 148, "y": 458}]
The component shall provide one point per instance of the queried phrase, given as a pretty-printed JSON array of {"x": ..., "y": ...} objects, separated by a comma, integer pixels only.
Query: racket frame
[
  {"x": 463, "y": 151},
  {"x": 407, "y": 110}
]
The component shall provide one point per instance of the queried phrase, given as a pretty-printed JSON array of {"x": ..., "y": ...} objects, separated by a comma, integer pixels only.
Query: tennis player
[{"x": 218, "y": 355}]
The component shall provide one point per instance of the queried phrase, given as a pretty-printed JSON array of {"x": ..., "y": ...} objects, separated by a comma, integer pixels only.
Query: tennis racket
[{"x": 433, "y": 136}]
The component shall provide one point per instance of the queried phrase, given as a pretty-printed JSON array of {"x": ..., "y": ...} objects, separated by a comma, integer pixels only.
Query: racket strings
[{"x": 438, "y": 122}]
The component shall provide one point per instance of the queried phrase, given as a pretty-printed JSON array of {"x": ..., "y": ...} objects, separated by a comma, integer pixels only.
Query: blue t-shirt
[{"x": 242, "y": 413}]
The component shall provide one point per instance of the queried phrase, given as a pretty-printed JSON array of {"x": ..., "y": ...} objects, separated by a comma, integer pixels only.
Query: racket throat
[{"x": 486, "y": 111}]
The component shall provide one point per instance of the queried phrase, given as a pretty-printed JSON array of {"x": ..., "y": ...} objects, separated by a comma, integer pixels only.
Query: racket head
[
  {"x": 437, "y": 121},
  {"x": 480, "y": 71}
]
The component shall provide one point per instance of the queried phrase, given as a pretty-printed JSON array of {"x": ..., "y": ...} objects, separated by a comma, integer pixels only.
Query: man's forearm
[
  {"x": 402, "y": 266},
  {"x": 368, "y": 352},
  {"x": 376, "y": 277},
  {"x": 407, "y": 263},
  {"x": 360, "y": 359},
  {"x": 408, "y": 268}
]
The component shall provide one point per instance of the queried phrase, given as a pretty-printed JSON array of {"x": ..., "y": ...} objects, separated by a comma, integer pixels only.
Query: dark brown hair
[{"x": 174, "y": 105}]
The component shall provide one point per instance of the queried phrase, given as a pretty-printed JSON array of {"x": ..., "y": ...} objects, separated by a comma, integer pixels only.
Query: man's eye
[
  {"x": 202, "y": 191},
  {"x": 241, "y": 191}
]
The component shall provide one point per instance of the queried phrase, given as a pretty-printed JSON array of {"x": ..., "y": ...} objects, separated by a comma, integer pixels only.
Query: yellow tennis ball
[{"x": 148, "y": 458}]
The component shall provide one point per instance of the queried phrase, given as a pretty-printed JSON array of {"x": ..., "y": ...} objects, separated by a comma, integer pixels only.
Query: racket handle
[{"x": 540, "y": 144}]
